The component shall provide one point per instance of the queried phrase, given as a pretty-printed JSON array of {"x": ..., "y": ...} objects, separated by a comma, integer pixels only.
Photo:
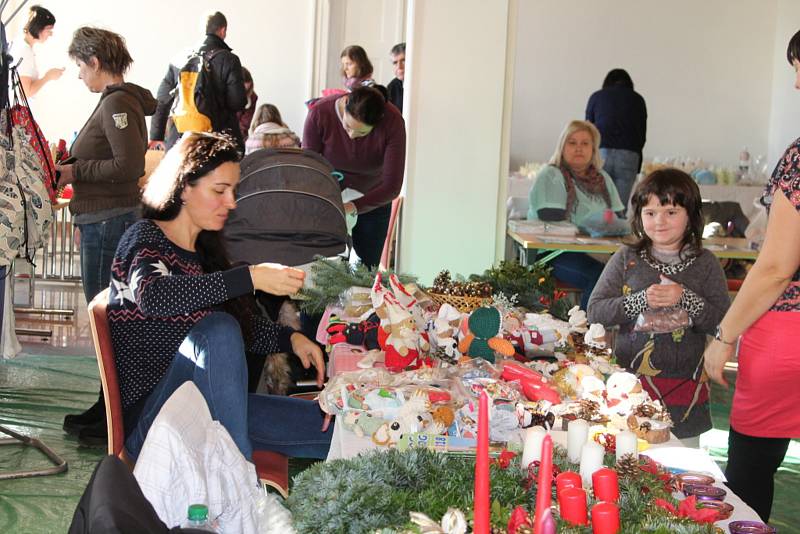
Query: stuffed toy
[
  {"x": 398, "y": 335},
  {"x": 410, "y": 419},
  {"x": 362, "y": 423},
  {"x": 481, "y": 340},
  {"x": 364, "y": 333}
]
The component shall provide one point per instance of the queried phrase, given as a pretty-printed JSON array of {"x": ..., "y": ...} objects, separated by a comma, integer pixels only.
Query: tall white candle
[
  {"x": 577, "y": 434},
  {"x": 591, "y": 461},
  {"x": 532, "y": 450},
  {"x": 627, "y": 443}
]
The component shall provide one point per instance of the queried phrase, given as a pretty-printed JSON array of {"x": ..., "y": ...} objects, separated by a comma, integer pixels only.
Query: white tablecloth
[{"x": 345, "y": 444}]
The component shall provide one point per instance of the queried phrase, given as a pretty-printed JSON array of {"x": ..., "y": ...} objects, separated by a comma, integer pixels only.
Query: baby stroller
[{"x": 288, "y": 210}]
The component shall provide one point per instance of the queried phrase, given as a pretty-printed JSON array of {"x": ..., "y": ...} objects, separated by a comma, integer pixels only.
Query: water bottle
[{"x": 197, "y": 518}]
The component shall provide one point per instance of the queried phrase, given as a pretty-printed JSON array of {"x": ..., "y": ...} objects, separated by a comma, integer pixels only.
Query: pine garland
[
  {"x": 534, "y": 286},
  {"x": 377, "y": 490},
  {"x": 332, "y": 277}
]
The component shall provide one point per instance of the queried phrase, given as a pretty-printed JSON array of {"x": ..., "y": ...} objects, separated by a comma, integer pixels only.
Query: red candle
[
  {"x": 605, "y": 518},
  {"x": 572, "y": 505},
  {"x": 544, "y": 487},
  {"x": 567, "y": 479},
  {"x": 605, "y": 484},
  {"x": 481, "y": 525}
]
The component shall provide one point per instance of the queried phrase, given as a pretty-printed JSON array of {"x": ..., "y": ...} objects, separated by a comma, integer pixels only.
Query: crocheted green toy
[{"x": 481, "y": 341}]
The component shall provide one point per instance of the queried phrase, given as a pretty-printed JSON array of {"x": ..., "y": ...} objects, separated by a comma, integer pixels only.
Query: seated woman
[
  {"x": 267, "y": 130},
  {"x": 178, "y": 311},
  {"x": 574, "y": 187}
]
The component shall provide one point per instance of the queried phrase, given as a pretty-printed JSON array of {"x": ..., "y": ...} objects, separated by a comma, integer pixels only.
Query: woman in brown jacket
[{"x": 107, "y": 161}]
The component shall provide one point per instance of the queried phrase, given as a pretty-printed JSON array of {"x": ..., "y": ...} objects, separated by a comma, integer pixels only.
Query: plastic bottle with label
[{"x": 197, "y": 518}]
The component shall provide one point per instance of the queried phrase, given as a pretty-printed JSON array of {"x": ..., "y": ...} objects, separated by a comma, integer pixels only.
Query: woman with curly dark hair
[{"x": 178, "y": 311}]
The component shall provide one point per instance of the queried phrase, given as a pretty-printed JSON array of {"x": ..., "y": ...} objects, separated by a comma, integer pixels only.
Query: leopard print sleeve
[
  {"x": 691, "y": 302},
  {"x": 635, "y": 303}
]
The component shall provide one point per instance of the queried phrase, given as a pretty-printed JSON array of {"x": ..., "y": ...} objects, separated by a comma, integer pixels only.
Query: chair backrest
[
  {"x": 101, "y": 335},
  {"x": 391, "y": 234}
]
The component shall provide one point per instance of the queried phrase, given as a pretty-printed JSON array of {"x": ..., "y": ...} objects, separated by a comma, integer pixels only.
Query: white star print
[
  {"x": 161, "y": 269},
  {"x": 135, "y": 278},
  {"x": 123, "y": 291}
]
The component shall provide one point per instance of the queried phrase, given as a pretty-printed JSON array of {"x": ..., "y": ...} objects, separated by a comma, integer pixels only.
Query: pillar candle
[
  {"x": 577, "y": 434},
  {"x": 605, "y": 518},
  {"x": 567, "y": 479},
  {"x": 481, "y": 507},
  {"x": 627, "y": 443},
  {"x": 572, "y": 505},
  {"x": 532, "y": 450},
  {"x": 544, "y": 487},
  {"x": 591, "y": 461},
  {"x": 605, "y": 485}
]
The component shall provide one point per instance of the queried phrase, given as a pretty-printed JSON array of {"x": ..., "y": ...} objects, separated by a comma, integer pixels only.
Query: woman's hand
[
  {"x": 309, "y": 354},
  {"x": 67, "y": 176},
  {"x": 277, "y": 279},
  {"x": 664, "y": 295},
  {"x": 53, "y": 74},
  {"x": 156, "y": 145},
  {"x": 717, "y": 354}
]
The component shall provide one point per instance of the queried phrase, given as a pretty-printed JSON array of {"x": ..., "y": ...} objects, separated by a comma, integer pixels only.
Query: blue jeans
[
  {"x": 98, "y": 245},
  {"x": 580, "y": 270},
  {"x": 623, "y": 166},
  {"x": 369, "y": 234},
  {"x": 212, "y": 356}
]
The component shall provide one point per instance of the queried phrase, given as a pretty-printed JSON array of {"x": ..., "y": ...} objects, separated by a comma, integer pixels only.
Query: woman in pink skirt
[{"x": 765, "y": 322}]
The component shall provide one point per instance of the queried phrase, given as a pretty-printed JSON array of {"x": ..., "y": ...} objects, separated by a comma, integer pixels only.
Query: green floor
[{"x": 37, "y": 391}]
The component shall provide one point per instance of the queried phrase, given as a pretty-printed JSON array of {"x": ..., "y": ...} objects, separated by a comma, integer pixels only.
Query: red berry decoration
[
  {"x": 533, "y": 474},
  {"x": 608, "y": 441}
]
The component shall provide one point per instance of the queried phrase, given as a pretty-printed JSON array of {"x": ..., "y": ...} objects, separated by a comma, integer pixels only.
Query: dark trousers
[
  {"x": 369, "y": 233},
  {"x": 752, "y": 463},
  {"x": 579, "y": 270}
]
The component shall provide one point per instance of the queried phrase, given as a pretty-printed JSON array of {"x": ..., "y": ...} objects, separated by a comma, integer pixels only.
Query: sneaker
[
  {"x": 74, "y": 423},
  {"x": 94, "y": 436}
]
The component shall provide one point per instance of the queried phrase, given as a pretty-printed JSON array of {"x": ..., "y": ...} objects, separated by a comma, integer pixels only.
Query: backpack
[{"x": 195, "y": 102}]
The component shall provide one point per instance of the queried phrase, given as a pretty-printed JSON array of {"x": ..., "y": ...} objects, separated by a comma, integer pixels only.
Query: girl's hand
[
  {"x": 665, "y": 294},
  {"x": 309, "y": 354},
  {"x": 717, "y": 354},
  {"x": 277, "y": 279}
]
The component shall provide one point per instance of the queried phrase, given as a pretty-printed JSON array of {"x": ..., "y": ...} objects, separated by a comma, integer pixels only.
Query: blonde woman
[
  {"x": 574, "y": 187},
  {"x": 269, "y": 131}
]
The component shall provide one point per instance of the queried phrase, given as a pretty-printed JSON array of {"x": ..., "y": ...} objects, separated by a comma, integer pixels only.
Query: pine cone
[
  {"x": 645, "y": 410},
  {"x": 588, "y": 409},
  {"x": 525, "y": 530},
  {"x": 628, "y": 466}
]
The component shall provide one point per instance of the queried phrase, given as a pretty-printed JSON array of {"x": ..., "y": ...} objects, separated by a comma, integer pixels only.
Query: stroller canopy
[{"x": 288, "y": 209}]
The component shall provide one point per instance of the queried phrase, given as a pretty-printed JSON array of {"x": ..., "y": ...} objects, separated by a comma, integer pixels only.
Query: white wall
[
  {"x": 704, "y": 68},
  {"x": 456, "y": 131},
  {"x": 785, "y": 113},
  {"x": 273, "y": 38}
]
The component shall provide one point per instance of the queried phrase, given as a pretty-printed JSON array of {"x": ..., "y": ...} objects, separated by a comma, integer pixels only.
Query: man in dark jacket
[
  {"x": 395, "y": 87},
  {"x": 226, "y": 77}
]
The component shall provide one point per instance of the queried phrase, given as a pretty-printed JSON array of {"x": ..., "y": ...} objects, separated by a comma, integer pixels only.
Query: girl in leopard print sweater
[{"x": 665, "y": 271}]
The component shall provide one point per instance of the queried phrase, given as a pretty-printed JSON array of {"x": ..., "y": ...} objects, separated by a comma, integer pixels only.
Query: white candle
[
  {"x": 532, "y": 450},
  {"x": 627, "y": 443},
  {"x": 591, "y": 460},
  {"x": 577, "y": 434}
]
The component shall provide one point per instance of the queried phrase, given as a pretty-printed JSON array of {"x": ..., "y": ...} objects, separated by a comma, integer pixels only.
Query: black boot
[
  {"x": 94, "y": 436},
  {"x": 74, "y": 423}
]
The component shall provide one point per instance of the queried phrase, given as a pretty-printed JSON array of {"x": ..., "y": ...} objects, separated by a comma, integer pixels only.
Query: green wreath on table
[{"x": 376, "y": 491}]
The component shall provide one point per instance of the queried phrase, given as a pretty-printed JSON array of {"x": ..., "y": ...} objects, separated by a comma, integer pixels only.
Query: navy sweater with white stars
[{"x": 159, "y": 291}]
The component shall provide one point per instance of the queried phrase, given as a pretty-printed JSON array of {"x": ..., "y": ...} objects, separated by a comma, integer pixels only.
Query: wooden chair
[
  {"x": 391, "y": 235},
  {"x": 272, "y": 467}
]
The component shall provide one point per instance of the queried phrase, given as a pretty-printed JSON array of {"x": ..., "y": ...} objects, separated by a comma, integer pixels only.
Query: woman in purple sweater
[{"x": 365, "y": 140}]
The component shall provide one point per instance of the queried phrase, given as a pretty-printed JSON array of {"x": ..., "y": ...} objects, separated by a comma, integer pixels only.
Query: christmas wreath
[{"x": 378, "y": 490}]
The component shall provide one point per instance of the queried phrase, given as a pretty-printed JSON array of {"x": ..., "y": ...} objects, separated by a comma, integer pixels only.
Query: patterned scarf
[{"x": 592, "y": 184}]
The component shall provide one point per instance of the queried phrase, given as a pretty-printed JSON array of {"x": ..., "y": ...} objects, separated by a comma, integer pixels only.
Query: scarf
[{"x": 592, "y": 184}]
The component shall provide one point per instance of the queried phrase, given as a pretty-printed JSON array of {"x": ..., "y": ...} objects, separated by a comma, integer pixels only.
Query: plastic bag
[
  {"x": 601, "y": 225},
  {"x": 662, "y": 320}
]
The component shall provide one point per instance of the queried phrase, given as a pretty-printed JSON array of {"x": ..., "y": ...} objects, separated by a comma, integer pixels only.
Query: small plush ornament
[
  {"x": 408, "y": 421},
  {"x": 364, "y": 333},
  {"x": 482, "y": 340},
  {"x": 398, "y": 336},
  {"x": 362, "y": 423},
  {"x": 577, "y": 319}
]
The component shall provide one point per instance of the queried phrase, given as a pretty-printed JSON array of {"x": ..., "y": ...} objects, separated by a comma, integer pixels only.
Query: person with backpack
[
  {"x": 106, "y": 164},
  {"x": 202, "y": 91}
]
